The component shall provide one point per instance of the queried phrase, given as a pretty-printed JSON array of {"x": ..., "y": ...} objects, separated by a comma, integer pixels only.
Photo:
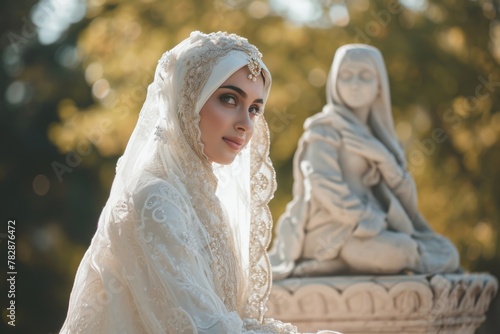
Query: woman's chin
[{"x": 226, "y": 160}]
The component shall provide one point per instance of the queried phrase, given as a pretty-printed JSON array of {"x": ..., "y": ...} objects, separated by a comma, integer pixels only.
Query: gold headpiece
[{"x": 254, "y": 67}]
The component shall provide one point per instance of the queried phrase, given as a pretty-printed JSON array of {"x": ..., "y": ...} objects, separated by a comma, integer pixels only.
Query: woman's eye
[
  {"x": 255, "y": 110},
  {"x": 228, "y": 99}
]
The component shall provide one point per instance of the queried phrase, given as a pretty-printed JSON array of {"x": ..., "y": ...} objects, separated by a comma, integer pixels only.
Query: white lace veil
[
  {"x": 168, "y": 128},
  {"x": 226, "y": 204}
]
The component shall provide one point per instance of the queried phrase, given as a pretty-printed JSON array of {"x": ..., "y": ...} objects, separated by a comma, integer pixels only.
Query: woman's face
[
  {"x": 357, "y": 83},
  {"x": 227, "y": 118}
]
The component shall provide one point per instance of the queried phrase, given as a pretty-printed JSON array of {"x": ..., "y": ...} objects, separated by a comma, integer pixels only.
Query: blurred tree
[
  {"x": 70, "y": 107},
  {"x": 52, "y": 218}
]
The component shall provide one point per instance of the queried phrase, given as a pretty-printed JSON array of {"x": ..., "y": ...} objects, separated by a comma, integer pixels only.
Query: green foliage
[{"x": 444, "y": 75}]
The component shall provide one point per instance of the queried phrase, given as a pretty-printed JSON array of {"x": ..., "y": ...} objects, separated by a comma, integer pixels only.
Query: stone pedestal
[{"x": 447, "y": 303}]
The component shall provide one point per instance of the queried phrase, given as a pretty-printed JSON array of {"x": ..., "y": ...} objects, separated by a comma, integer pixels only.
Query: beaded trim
[{"x": 254, "y": 68}]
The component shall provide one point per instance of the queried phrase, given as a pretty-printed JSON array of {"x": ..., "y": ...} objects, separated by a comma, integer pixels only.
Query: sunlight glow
[
  {"x": 415, "y": 5},
  {"x": 53, "y": 17},
  {"x": 339, "y": 15},
  {"x": 312, "y": 13}
]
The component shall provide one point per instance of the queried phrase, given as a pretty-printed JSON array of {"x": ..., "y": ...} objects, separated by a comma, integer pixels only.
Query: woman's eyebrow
[
  {"x": 242, "y": 92},
  {"x": 237, "y": 89}
]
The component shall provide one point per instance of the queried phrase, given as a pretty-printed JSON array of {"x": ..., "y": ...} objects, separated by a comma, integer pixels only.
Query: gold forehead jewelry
[{"x": 254, "y": 67}]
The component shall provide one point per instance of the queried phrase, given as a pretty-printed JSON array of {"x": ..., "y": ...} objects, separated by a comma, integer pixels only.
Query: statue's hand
[
  {"x": 374, "y": 150},
  {"x": 371, "y": 149},
  {"x": 392, "y": 173}
]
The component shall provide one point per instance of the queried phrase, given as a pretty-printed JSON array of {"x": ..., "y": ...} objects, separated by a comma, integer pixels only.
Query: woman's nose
[{"x": 244, "y": 123}]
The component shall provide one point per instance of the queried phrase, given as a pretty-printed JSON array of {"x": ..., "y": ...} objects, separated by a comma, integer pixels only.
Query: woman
[
  {"x": 181, "y": 243},
  {"x": 355, "y": 206}
]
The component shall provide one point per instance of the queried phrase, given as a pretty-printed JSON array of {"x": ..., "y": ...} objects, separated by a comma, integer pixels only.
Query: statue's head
[
  {"x": 357, "y": 82},
  {"x": 358, "y": 77}
]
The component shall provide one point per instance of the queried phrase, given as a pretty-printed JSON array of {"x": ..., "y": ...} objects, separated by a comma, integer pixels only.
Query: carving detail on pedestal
[{"x": 453, "y": 303}]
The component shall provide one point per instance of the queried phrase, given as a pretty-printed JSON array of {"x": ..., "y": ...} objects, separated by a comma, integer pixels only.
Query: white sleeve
[{"x": 147, "y": 271}]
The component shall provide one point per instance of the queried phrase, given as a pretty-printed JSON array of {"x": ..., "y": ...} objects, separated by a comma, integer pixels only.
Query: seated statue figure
[{"x": 354, "y": 207}]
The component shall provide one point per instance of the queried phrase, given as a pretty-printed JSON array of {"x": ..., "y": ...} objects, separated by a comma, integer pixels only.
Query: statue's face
[{"x": 357, "y": 83}]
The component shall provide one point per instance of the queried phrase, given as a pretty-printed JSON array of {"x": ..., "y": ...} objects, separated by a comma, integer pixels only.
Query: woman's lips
[{"x": 234, "y": 142}]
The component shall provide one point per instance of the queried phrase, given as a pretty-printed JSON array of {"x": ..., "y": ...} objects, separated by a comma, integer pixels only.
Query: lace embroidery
[
  {"x": 122, "y": 208},
  {"x": 160, "y": 135},
  {"x": 154, "y": 214},
  {"x": 263, "y": 185},
  {"x": 167, "y": 60},
  {"x": 199, "y": 67},
  {"x": 180, "y": 322}
]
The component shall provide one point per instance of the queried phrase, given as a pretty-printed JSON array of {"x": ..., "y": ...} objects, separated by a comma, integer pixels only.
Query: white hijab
[{"x": 226, "y": 205}]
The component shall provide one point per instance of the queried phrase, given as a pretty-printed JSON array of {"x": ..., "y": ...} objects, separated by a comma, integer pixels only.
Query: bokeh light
[{"x": 41, "y": 185}]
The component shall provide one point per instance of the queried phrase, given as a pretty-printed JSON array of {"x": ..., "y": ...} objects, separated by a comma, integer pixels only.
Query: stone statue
[{"x": 354, "y": 207}]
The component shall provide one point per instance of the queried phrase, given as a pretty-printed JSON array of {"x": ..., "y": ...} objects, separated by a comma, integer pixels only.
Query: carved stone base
[{"x": 449, "y": 303}]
